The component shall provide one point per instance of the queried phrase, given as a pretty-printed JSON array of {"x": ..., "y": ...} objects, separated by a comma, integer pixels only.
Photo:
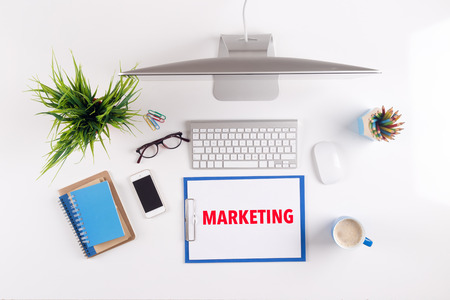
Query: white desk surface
[{"x": 398, "y": 190}]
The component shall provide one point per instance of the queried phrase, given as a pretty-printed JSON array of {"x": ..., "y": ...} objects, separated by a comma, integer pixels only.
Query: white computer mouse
[{"x": 328, "y": 162}]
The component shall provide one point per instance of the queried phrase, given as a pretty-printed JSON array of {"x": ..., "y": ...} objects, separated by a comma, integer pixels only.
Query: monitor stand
[{"x": 246, "y": 87}]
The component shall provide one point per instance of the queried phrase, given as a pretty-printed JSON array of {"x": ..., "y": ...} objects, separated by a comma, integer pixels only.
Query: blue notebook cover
[{"x": 94, "y": 214}]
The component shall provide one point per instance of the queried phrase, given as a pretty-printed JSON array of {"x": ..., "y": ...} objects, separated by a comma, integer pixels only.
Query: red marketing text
[{"x": 252, "y": 216}]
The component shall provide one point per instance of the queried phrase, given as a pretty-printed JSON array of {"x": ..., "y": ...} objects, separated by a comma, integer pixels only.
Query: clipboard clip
[{"x": 190, "y": 219}]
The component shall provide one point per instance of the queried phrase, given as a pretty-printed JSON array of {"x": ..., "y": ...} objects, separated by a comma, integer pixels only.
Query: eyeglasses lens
[
  {"x": 172, "y": 142},
  {"x": 150, "y": 151}
]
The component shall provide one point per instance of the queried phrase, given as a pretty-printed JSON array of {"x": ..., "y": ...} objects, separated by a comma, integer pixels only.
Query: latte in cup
[{"x": 348, "y": 233}]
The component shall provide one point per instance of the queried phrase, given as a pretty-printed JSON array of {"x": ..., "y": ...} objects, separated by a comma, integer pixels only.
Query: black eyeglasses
[{"x": 170, "y": 141}]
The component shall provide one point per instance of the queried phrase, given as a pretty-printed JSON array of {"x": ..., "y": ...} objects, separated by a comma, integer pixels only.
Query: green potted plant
[{"x": 82, "y": 118}]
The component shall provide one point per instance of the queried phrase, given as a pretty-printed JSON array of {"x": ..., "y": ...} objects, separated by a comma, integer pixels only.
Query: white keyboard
[{"x": 244, "y": 144}]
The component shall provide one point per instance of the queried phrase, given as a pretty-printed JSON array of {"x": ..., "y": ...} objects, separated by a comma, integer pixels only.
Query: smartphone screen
[{"x": 147, "y": 193}]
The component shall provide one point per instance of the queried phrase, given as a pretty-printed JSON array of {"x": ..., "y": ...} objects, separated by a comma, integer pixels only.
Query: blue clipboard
[{"x": 224, "y": 214}]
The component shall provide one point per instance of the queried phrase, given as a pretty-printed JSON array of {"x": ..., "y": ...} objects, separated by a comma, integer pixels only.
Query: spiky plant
[{"x": 82, "y": 117}]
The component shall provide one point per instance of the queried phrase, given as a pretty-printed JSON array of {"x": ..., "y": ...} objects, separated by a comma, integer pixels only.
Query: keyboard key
[
  {"x": 240, "y": 164},
  {"x": 198, "y": 150},
  {"x": 288, "y": 156}
]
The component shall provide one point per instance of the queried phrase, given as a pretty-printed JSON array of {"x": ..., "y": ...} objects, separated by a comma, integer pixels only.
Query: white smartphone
[{"x": 148, "y": 194}]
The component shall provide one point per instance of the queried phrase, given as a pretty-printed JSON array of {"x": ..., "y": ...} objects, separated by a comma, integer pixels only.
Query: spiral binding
[
  {"x": 78, "y": 220},
  {"x": 74, "y": 218}
]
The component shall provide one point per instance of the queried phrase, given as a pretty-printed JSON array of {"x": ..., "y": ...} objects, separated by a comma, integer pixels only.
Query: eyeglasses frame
[{"x": 158, "y": 142}]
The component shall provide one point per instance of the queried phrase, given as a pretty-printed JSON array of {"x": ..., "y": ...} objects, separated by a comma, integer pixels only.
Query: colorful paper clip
[
  {"x": 153, "y": 117},
  {"x": 153, "y": 122},
  {"x": 153, "y": 125},
  {"x": 157, "y": 116}
]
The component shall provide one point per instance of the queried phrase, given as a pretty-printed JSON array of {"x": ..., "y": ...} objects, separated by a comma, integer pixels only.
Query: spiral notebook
[{"x": 96, "y": 214}]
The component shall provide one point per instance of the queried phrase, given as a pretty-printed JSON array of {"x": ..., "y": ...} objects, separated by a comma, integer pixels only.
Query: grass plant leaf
[{"x": 81, "y": 119}]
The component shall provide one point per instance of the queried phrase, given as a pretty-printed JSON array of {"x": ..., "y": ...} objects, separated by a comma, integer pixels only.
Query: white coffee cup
[{"x": 348, "y": 233}]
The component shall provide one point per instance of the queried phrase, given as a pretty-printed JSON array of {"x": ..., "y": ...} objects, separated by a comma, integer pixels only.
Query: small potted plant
[{"x": 81, "y": 117}]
